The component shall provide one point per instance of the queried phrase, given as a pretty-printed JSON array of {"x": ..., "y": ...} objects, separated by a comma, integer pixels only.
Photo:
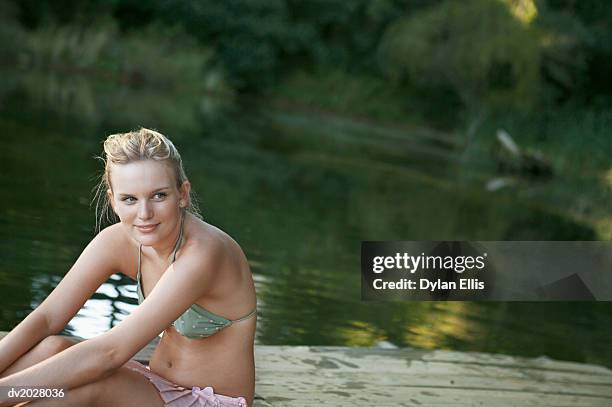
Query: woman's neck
[{"x": 165, "y": 251}]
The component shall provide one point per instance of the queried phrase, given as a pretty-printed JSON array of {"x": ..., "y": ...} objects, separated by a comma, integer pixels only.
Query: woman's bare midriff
[{"x": 224, "y": 361}]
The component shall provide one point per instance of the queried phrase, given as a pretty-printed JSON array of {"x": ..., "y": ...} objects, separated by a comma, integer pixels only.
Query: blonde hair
[{"x": 138, "y": 145}]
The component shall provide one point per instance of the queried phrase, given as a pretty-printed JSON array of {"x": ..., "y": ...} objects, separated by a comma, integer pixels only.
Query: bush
[
  {"x": 477, "y": 47},
  {"x": 11, "y": 32},
  {"x": 163, "y": 56},
  {"x": 68, "y": 46}
]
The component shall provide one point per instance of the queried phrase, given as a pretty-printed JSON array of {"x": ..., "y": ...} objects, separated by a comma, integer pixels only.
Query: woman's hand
[{"x": 80, "y": 364}]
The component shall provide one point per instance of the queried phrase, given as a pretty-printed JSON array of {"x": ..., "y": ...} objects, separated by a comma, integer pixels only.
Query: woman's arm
[
  {"x": 22, "y": 338},
  {"x": 93, "y": 267},
  {"x": 181, "y": 285},
  {"x": 80, "y": 364}
]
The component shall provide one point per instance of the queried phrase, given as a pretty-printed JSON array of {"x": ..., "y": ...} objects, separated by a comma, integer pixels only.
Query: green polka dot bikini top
[{"x": 196, "y": 322}]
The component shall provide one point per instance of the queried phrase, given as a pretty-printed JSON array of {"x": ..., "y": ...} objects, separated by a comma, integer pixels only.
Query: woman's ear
[{"x": 185, "y": 189}]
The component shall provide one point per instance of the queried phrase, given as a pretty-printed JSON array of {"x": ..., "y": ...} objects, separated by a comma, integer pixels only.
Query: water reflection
[{"x": 110, "y": 304}]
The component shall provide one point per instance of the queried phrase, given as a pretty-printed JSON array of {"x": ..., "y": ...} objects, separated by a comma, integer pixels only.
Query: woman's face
[{"x": 145, "y": 197}]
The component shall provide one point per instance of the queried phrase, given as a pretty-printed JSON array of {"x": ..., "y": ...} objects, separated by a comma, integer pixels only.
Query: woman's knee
[
  {"x": 122, "y": 386},
  {"x": 88, "y": 395},
  {"x": 46, "y": 348}
]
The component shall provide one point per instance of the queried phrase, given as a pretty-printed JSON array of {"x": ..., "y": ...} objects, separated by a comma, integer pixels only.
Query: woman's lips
[{"x": 147, "y": 229}]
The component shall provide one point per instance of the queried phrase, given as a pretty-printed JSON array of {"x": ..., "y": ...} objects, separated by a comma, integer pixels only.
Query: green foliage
[
  {"x": 576, "y": 46},
  {"x": 477, "y": 47},
  {"x": 345, "y": 33},
  {"x": 484, "y": 50},
  {"x": 34, "y": 13},
  {"x": 564, "y": 60},
  {"x": 576, "y": 141},
  {"x": 258, "y": 41},
  {"x": 67, "y": 46},
  {"x": 11, "y": 32},
  {"x": 248, "y": 37},
  {"x": 333, "y": 89},
  {"x": 163, "y": 56}
]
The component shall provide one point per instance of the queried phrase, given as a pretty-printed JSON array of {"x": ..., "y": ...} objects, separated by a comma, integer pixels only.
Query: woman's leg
[
  {"x": 124, "y": 388},
  {"x": 46, "y": 348}
]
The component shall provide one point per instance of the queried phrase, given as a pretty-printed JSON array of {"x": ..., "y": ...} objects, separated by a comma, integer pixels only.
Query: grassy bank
[
  {"x": 575, "y": 140},
  {"x": 366, "y": 97}
]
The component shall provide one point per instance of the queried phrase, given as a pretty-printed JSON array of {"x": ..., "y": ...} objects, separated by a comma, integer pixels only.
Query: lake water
[{"x": 299, "y": 191}]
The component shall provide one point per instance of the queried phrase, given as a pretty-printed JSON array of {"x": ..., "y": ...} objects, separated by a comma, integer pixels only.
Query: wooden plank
[
  {"x": 426, "y": 397},
  {"x": 280, "y": 363},
  {"x": 358, "y": 376},
  {"x": 363, "y": 357},
  {"x": 366, "y": 382}
]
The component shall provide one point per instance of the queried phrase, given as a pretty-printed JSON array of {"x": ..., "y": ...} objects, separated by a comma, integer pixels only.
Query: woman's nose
[{"x": 144, "y": 210}]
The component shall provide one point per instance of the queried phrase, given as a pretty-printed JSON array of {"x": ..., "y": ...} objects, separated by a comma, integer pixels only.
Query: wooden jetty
[{"x": 345, "y": 376}]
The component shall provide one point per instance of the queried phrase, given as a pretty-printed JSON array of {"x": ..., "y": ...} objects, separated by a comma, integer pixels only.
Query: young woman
[{"x": 195, "y": 290}]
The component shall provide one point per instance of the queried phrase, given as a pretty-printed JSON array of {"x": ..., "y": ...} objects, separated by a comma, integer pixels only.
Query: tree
[{"x": 477, "y": 47}]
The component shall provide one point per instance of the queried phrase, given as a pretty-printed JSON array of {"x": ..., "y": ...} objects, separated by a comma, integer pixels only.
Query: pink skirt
[{"x": 177, "y": 396}]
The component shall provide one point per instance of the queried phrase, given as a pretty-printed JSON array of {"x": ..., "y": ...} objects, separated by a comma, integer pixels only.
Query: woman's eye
[
  {"x": 129, "y": 199},
  {"x": 160, "y": 195}
]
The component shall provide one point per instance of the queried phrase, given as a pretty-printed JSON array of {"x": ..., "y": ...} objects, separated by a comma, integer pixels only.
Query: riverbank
[{"x": 574, "y": 138}]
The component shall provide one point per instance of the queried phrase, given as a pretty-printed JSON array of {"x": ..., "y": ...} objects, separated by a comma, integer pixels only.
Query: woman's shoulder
[
  {"x": 117, "y": 244},
  {"x": 225, "y": 266},
  {"x": 114, "y": 236},
  {"x": 212, "y": 245}
]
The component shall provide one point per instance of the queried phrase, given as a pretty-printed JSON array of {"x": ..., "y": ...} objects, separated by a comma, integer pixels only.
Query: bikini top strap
[
  {"x": 139, "y": 256},
  {"x": 179, "y": 240}
]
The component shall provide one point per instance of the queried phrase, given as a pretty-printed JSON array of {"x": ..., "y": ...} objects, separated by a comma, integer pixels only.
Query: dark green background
[{"x": 302, "y": 139}]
